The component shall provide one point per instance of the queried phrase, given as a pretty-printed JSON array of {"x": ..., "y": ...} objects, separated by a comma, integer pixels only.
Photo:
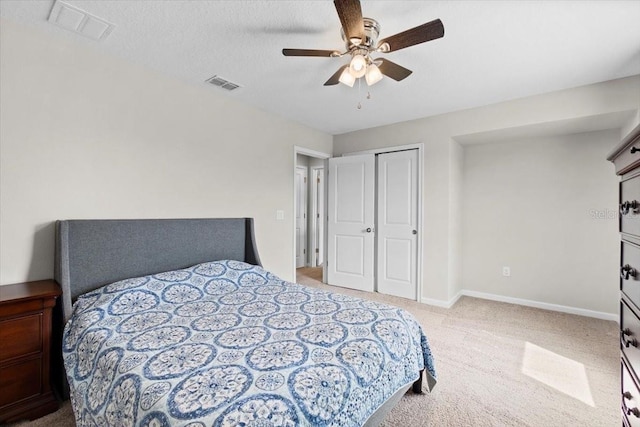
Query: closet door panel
[
  {"x": 351, "y": 222},
  {"x": 396, "y": 230}
]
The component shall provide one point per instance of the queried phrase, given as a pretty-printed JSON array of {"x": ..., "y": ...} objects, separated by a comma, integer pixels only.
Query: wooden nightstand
[{"x": 25, "y": 350}]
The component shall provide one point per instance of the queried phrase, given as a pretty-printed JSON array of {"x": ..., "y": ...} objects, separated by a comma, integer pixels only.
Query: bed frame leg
[{"x": 417, "y": 385}]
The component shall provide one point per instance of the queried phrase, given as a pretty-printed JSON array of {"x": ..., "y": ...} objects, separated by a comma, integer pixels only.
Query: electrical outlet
[{"x": 506, "y": 271}]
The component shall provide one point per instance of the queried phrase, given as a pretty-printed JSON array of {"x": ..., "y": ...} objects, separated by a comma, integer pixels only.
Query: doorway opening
[
  {"x": 309, "y": 275},
  {"x": 309, "y": 215}
]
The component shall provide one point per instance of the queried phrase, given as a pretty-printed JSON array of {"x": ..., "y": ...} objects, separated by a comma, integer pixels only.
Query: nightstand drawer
[
  {"x": 25, "y": 346},
  {"x": 20, "y": 381},
  {"x": 20, "y": 336},
  {"x": 8, "y": 310}
]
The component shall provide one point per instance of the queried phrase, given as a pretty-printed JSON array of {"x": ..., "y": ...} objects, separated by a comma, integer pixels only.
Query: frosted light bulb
[{"x": 358, "y": 66}]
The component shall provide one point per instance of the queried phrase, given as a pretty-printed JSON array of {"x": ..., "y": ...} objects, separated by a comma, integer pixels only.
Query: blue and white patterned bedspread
[{"x": 227, "y": 343}]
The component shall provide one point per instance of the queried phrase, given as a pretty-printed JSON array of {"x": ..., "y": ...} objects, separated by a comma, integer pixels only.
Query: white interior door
[
  {"x": 320, "y": 215},
  {"x": 350, "y": 228},
  {"x": 397, "y": 239},
  {"x": 301, "y": 216}
]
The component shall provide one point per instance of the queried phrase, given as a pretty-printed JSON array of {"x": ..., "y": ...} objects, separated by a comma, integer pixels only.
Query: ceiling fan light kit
[{"x": 361, "y": 40}]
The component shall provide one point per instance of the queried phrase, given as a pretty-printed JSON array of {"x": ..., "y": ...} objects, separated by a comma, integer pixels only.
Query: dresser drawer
[
  {"x": 630, "y": 398},
  {"x": 20, "y": 381},
  {"x": 630, "y": 334},
  {"x": 630, "y": 206},
  {"x": 20, "y": 336},
  {"x": 630, "y": 272}
]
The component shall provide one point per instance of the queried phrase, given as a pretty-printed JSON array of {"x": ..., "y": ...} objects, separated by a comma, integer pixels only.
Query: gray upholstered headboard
[{"x": 93, "y": 253}]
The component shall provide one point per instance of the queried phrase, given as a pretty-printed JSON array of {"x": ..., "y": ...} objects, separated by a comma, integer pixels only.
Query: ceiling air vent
[
  {"x": 222, "y": 83},
  {"x": 77, "y": 20}
]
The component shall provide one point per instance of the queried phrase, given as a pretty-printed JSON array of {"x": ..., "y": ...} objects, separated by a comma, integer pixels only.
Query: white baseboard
[
  {"x": 442, "y": 303},
  {"x": 519, "y": 301}
]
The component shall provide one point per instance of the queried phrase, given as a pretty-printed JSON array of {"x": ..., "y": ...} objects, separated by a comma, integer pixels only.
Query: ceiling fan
[{"x": 361, "y": 40}]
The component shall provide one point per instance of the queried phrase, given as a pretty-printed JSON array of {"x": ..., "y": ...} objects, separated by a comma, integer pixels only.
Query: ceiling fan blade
[
  {"x": 335, "y": 79},
  {"x": 307, "y": 52},
  {"x": 350, "y": 14},
  {"x": 393, "y": 70},
  {"x": 420, "y": 34}
]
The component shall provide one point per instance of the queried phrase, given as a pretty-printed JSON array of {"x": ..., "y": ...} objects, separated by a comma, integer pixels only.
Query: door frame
[
  {"x": 318, "y": 155},
  {"x": 420, "y": 147}
]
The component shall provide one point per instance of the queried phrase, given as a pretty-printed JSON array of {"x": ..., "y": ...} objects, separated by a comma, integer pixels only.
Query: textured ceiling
[{"x": 492, "y": 51}]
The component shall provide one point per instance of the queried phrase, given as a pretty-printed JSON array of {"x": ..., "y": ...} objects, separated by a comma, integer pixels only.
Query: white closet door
[
  {"x": 397, "y": 243},
  {"x": 301, "y": 217},
  {"x": 350, "y": 242}
]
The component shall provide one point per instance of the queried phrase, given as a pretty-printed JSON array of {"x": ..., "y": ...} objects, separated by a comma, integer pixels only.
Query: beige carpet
[{"x": 499, "y": 365}]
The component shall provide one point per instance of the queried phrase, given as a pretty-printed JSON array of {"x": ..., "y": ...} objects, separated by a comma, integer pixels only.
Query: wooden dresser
[
  {"x": 626, "y": 158},
  {"x": 25, "y": 350}
]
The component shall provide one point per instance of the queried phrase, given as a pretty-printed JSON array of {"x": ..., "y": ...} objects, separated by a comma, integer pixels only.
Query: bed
[{"x": 175, "y": 323}]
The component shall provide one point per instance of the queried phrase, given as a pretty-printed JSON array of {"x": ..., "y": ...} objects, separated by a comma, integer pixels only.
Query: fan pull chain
[{"x": 359, "y": 106}]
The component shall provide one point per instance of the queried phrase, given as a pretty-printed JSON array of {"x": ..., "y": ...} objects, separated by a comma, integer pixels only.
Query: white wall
[
  {"x": 442, "y": 160},
  {"x": 534, "y": 205},
  {"x": 87, "y": 135},
  {"x": 630, "y": 125}
]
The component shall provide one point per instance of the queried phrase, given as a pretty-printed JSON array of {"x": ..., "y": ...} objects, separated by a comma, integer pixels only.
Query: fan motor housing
[{"x": 371, "y": 33}]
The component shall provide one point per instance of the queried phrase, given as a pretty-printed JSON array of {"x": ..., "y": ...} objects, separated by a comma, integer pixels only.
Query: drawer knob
[
  {"x": 634, "y": 411},
  {"x": 626, "y": 206},
  {"x": 627, "y": 271},
  {"x": 634, "y": 150},
  {"x": 627, "y": 395}
]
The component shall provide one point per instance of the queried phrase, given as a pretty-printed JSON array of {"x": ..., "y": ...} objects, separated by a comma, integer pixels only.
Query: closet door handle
[
  {"x": 634, "y": 150},
  {"x": 368, "y": 230},
  {"x": 414, "y": 232},
  {"x": 634, "y": 411}
]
